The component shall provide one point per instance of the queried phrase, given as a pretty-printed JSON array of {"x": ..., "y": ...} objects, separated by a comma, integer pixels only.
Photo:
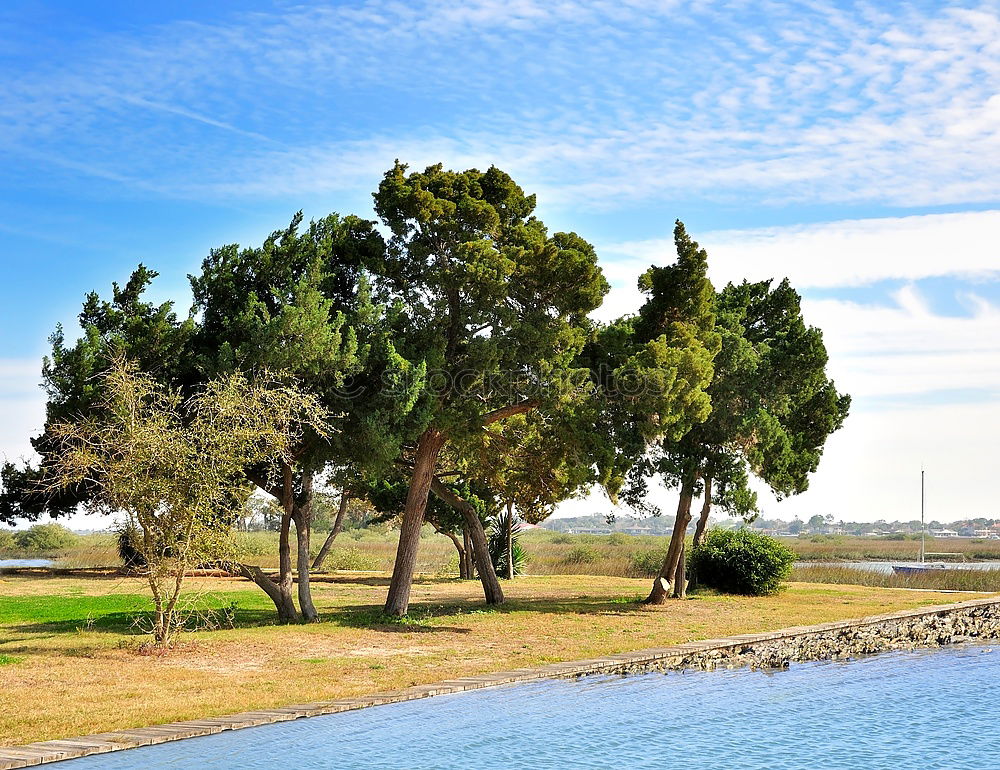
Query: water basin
[
  {"x": 935, "y": 708},
  {"x": 26, "y": 563}
]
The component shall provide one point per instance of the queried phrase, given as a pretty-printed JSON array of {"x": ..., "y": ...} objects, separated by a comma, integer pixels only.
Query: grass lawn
[{"x": 71, "y": 661}]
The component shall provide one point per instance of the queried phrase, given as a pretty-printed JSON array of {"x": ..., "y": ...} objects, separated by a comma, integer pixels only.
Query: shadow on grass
[
  {"x": 131, "y": 614},
  {"x": 138, "y": 622},
  {"x": 422, "y": 614}
]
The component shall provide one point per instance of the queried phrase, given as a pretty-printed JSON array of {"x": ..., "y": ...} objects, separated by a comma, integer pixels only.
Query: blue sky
[{"x": 854, "y": 147}]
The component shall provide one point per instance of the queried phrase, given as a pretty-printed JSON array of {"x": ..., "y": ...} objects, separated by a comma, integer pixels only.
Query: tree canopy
[{"x": 451, "y": 347}]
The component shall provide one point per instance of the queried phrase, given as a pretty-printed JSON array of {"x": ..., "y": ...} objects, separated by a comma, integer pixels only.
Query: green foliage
[
  {"x": 741, "y": 561},
  {"x": 148, "y": 334},
  {"x": 652, "y": 371},
  {"x": 6, "y": 540},
  {"x": 563, "y": 539},
  {"x": 495, "y": 305},
  {"x": 299, "y": 305},
  {"x": 583, "y": 554},
  {"x": 648, "y": 562},
  {"x": 617, "y": 538},
  {"x": 8, "y": 660},
  {"x": 176, "y": 466},
  {"x": 45, "y": 538}
]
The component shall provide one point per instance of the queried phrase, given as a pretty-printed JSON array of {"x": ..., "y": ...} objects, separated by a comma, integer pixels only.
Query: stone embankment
[
  {"x": 978, "y": 619},
  {"x": 910, "y": 629}
]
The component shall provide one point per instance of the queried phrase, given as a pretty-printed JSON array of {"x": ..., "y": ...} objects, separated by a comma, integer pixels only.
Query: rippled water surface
[
  {"x": 26, "y": 563},
  {"x": 928, "y": 709}
]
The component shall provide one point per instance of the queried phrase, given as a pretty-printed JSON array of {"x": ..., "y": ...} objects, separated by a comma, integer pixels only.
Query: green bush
[
  {"x": 42, "y": 538},
  {"x": 6, "y": 540},
  {"x": 563, "y": 539},
  {"x": 741, "y": 561},
  {"x": 648, "y": 563},
  {"x": 617, "y": 538},
  {"x": 582, "y": 554},
  {"x": 353, "y": 559}
]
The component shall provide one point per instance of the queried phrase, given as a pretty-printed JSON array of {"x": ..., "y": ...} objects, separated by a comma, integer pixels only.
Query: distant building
[{"x": 636, "y": 529}]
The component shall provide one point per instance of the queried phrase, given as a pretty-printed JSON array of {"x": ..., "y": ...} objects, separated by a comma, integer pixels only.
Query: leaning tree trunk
[
  {"x": 429, "y": 446},
  {"x": 338, "y": 525},
  {"x": 662, "y": 583},
  {"x": 510, "y": 541},
  {"x": 277, "y": 593},
  {"x": 706, "y": 507},
  {"x": 480, "y": 546},
  {"x": 461, "y": 553}
]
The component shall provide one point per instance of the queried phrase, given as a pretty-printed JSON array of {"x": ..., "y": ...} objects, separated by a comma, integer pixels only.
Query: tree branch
[
  {"x": 439, "y": 488},
  {"x": 509, "y": 411}
]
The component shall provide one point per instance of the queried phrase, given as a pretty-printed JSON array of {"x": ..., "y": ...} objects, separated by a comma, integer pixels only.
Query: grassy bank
[{"x": 71, "y": 655}]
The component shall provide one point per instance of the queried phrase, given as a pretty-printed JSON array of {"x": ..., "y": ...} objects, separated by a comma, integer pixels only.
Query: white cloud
[
  {"x": 905, "y": 349},
  {"x": 22, "y": 407},
  {"x": 827, "y": 255}
]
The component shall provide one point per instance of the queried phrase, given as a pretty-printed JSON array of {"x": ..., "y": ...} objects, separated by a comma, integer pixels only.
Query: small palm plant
[{"x": 506, "y": 553}]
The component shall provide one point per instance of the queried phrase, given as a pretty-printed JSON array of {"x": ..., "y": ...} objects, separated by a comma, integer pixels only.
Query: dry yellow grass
[{"x": 78, "y": 676}]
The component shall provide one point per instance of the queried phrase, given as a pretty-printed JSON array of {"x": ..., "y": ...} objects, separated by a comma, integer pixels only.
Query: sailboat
[{"x": 921, "y": 567}]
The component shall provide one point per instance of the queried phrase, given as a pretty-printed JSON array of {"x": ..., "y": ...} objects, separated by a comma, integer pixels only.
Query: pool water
[{"x": 927, "y": 709}]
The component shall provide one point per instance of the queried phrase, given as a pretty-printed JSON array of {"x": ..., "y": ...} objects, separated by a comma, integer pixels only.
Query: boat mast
[{"x": 922, "y": 528}]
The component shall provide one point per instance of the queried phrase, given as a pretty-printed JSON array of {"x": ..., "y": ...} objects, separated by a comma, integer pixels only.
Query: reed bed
[
  {"x": 985, "y": 581},
  {"x": 548, "y": 552}
]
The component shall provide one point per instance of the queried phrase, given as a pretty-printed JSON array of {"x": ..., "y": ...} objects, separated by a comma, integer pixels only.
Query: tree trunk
[
  {"x": 285, "y": 568},
  {"x": 680, "y": 574},
  {"x": 706, "y": 507},
  {"x": 302, "y": 521},
  {"x": 480, "y": 547},
  {"x": 281, "y": 597},
  {"x": 280, "y": 591},
  {"x": 428, "y": 448},
  {"x": 661, "y": 585},
  {"x": 467, "y": 540},
  {"x": 510, "y": 541},
  {"x": 300, "y": 512},
  {"x": 481, "y": 554},
  {"x": 338, "y": 525},
  {"x": 461, "y": 554}
]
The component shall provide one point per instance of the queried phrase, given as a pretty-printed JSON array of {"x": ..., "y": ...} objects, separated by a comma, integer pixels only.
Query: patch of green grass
[
  {"x": 118, "y": 612},
  {"x": 7, "y": 660}
]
